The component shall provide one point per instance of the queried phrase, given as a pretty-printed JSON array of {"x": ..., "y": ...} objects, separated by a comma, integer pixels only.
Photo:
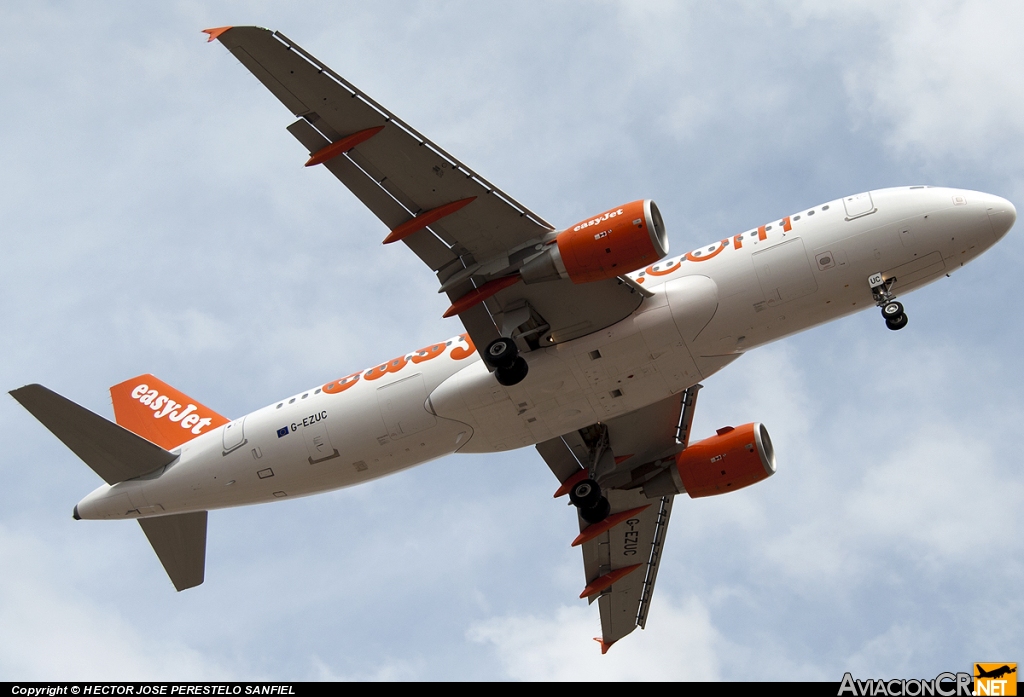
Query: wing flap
[
  {"x": 113, "y": 452},
  {"x": 180, "y": 543}
]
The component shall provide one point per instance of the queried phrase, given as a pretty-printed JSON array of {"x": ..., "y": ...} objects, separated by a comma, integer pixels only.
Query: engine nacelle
[
  {"x": 732, "y": 459},
  {"x": 613, "y": 243}
]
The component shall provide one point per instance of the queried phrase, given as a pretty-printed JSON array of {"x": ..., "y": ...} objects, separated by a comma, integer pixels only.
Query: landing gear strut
[
  {"x": 892, "y": 311},
  {"x": 509, "y": 367}
]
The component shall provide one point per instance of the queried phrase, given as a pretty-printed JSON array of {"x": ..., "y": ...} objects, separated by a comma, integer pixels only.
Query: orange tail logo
[{"x": 151, "y": 408}]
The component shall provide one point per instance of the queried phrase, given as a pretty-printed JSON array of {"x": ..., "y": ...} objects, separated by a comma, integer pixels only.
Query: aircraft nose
[{"x": 1002, "y": 215}]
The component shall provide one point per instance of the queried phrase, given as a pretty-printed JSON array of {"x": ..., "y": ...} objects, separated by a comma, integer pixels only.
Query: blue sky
[{"x": 156, "y": 218}]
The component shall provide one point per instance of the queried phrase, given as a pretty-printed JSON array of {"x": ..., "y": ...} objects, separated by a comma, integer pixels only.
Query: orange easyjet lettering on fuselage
[
  {"x": 428, "y": 353},
  {"x": 714, "y": 250}
]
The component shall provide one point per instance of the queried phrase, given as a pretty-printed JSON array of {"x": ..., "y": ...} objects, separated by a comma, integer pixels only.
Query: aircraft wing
[
  {"x": 622, "y": 553},
  {"x": 464, "y": 228}
]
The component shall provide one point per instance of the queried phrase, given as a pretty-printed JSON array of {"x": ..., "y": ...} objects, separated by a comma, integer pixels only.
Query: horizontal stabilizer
[
  {"x": 180, "y": 543},
  {"x": 113, "y": 452}
]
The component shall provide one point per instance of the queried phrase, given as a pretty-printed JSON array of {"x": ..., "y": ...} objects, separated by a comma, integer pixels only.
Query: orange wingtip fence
[
  {"x": 215, "y": 32},
  {"x": 151, "y": 408}
]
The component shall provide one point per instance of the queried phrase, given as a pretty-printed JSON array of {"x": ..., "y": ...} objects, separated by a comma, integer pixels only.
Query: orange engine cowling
[
  {"x": 615, "y": 242},
  {"x": 732, "y": 459}
]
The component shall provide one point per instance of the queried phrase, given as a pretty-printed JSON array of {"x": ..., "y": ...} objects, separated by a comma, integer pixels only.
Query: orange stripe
[
  {"x": 602, "y": 582},
  {"x": 427, "y": 218},
  {"x": 342, "y": 146},
  {"x": 761, "y": 234},
  {"x": 786, "y": 225},
  {"x": 478, "y": 295},
  {"x": 592, "y": 531},
  {"x": 710, "y": 255}
]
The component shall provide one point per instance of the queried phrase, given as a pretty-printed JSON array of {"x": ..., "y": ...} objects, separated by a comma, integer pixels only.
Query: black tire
[
  {"x": 897, "y": 323},
  {"x": 892, "y": 310},
  {"x": 585, "y": 494},
  {"x": 513, "y": 374},
  {"x": 598, "y": 512},
  {"x": 501, "y": 353}
]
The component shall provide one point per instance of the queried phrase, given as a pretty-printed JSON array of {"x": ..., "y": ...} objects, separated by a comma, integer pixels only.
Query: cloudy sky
[{"x": 155, "y": 217}]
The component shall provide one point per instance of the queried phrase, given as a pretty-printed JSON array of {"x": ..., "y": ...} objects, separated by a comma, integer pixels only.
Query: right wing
[
  {"x": 464, "y": 228},
  {"x": 622, "y": 554}
]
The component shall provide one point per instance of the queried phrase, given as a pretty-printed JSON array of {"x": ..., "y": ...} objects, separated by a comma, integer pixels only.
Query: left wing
[
  {"x": 465, "y": 229},
  {"x": 622, "y": 553}
]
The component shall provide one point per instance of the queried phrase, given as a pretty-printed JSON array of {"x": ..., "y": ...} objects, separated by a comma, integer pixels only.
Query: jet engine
[
  {"x": 730, "y": 460},
  {"x": 613, "y": 243}
]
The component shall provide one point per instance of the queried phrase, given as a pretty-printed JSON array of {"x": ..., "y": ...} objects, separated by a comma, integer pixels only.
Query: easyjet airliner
[{"x": 587, "y": 342}]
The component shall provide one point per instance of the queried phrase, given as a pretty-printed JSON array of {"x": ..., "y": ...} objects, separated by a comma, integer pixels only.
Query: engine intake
[{"x": 615, "y": 242}]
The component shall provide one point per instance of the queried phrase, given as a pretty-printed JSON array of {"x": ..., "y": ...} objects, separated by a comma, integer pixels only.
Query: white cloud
[
  {"x": 942, "y": 78},
  {"x": 679, "y": 644},
  {"x": 52, "y": 632}
]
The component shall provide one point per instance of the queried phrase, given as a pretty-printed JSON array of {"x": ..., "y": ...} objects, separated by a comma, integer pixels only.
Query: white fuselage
[{"x": 708, "y": 307}]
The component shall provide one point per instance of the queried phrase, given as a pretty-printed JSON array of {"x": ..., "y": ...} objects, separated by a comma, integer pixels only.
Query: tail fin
[{"x": 159, "y": 413}]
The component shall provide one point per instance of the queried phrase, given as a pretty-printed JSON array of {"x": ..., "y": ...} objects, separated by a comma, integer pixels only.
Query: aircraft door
[
  {"x": 859, "y": 205},
  {"x": 318, "y": 441},
  {"x": 784, "y": 272},
  {"x": 234, "y": 435},
  {"x": 402, "y": 407}
]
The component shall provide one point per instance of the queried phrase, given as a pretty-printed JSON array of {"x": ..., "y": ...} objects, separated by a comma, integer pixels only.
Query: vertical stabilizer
[{"x": 151, "y": 408}]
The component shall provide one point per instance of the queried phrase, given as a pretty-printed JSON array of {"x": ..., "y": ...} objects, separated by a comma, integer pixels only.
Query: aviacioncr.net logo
[{"x": 943, "y": 685}]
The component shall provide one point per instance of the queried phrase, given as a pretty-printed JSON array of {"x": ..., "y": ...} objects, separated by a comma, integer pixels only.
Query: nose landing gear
[
  {"x": 509, "y": 367},
  {"x": 892, "y": 311}
]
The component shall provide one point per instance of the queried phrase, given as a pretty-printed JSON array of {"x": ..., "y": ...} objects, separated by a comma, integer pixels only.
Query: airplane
[
  {"x": 587, "y": 342},
  {"x": 995, "y": 673}
]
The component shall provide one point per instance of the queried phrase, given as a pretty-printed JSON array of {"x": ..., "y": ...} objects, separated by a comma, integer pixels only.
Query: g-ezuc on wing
[{"x": 584, "y": 341}]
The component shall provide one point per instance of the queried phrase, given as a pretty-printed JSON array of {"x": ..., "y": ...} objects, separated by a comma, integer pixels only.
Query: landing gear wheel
[
  {"x": 501, "y": 353},
  {"x": 892, "y": 310},
  {"x": 897, "y": 322},
  {"x": 598, "y": 512},
  {"x": 513, "y": 374},
  {"x": 585, "y": 494}
]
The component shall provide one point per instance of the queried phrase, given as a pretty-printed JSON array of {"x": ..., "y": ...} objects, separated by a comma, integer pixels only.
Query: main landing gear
[
  {"x": 509, "y": 367},
  {"x": 586, "y": 496},
  {"x": 892, "y": 311}
]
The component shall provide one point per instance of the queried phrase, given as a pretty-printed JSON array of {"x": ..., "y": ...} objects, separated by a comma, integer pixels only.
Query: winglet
[
  {"x": 215, "y": 32},
  {"x": 604, "y": 646}
]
